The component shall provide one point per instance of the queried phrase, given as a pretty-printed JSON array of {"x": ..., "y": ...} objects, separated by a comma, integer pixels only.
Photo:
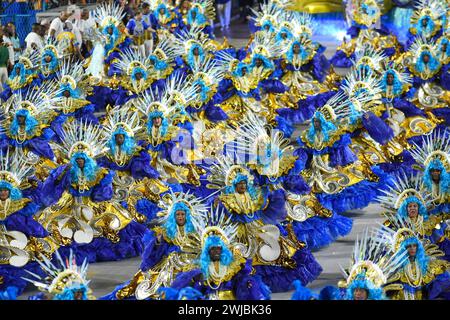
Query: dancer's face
[
  {"x": 66, "y": 93},
  {"x": 412, "y": 250},
  {"x": 157, "y": 122},
  {"x": 316, "y": 124},
  {"x": 180, "y": 217},
  {"x": 241, "y": 187},
  {"x": 296, "y": 49},
  {"x": 196, "y": 51},
  {"x": 78, "y": 295},
  {"x": 4, "y": 194},
  {"x": 426, "y": 58},
  {"x": 120, "y": 139},
  {"x": 259, "y": 62},
  {"x": 214, "y": 253},
  {"x": 360, "y": 294},
  {"x": 413, "y": 210},
  {"x": 138, "y": 76},
  {"x": 390, "y": 79},
  {"x": 435, "y": 175},
  {"x": 21, "y": 120},
  {"x": 80, "y": 162}
]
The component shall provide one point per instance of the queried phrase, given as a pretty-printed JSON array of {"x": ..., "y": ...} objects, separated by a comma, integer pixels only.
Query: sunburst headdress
[
  {"x": 420, "y": 46},
  {"x": 179, "y": 90},
  {"x": 266, "y": 46},
  {"x": 224, "y": 171},
  {"x": 434, "y": 146},
  {"x": 184, "y": 41},
  {"x": 122, "y": 118},
  {"x": 252, "y": 135},
  {"x": 428, "y": 9},
  {"x": 108, "y": 14},
  {"x": 206, "y": 78},
  {"x": 303, "y": 25},
  {"x": 363, "y": 83},
  {"x": 206, "y": 7},
  {"x": 434, "y": 154},
  {"x": 82, "y": 136},
  {"x": 71, "y": 77},
  {"x": 372, "y": 264},
  {"x": 61, "y": 275},
  {"x": 171, "y": 202},
  {"x": 403, "y": 190},
  {"x": 368, "y": 55},
  {"x": 35, "y": 104},
  {"x": 268, "y": 14},
  {"x": 214, "y": 223},
  {"x": 14, "y": 169},
  {"x": 153, "y": 102},
  {"x": 131, "y": 61}
]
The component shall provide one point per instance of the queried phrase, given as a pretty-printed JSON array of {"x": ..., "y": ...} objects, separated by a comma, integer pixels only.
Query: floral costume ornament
[
  {"x": 423, "y": 275},
  {"x": 63, "y": 279},
  {"x": 218, "y": 268},
  {"x": 163, "y": 257},
  {"x": 433, "y": 157},
  {"x": 26, "y": 121},
  {"x": 77, "y": 194}
]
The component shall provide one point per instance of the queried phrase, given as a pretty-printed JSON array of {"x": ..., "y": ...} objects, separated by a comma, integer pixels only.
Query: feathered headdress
[
  {"x": 82, "y": 136},
  {"x": 71, "y": 75},
  {"x": 185, "y": 40},
  {"x": 266, "y": 46},
  {"x": 224, "y": 171},
  {"x": 108, "y": 14},
  {"x": 206, "y": 77},
  {"x": 206, "y": 7},
  {"x": 431, "y": 10},
  {"x": 132, "y": 61},
  {"x": 371, "y": 266},
  {"x": 255, "y": 135},
  {"x": 405, "y": 188},
  {"x": 152, "y": 103},
  {"x": 303, "y": 25},
  {"x": 268, "y": 14},
  {"x": 420, "y": 45},
  {"x": 35, "y": 104},
  {"x": 122, "y": 118},
  {"x": 60, "y": 276},
  {"x": 434, "y": 147},
  {"x": 368, "y": 55},
  {"x": 171, "y": 202},
  {"x": 214, "y": 223},
  {"x": 180, "y": 90},
  {"x": 13, "y": 170}
]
